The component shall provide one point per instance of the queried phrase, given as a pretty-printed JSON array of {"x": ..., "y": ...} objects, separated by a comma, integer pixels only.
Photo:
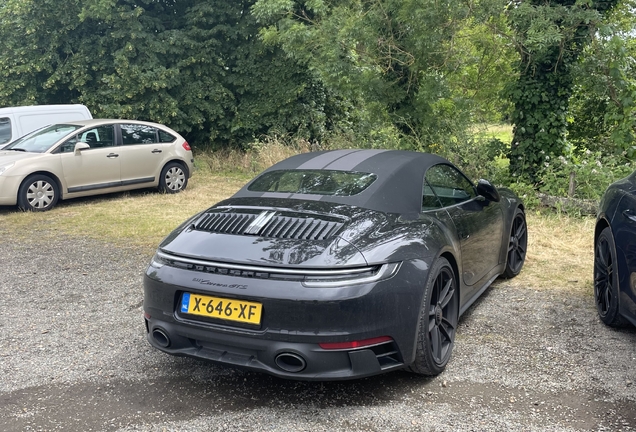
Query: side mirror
[
  {"x": 79, "y": 146},
  {"x": 487, "y": 190}
]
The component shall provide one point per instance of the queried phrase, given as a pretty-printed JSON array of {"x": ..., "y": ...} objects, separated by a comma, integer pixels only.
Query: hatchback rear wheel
[{"x": 173, "y": 178}]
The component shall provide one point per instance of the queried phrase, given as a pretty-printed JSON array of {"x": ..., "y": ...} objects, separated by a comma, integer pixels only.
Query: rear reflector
[
  {"x": 186, "y": 146},
  {"x": 354, "y": 344},
  {"x": 146, "y": 315}
]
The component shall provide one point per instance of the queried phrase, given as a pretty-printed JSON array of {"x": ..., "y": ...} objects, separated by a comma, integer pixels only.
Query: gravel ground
[{"x": 73, "y": 356}]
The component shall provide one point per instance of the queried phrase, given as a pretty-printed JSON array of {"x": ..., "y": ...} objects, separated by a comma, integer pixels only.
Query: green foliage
[
  {"x": 386, "y": 58},
  {"x": 198, "y": 67},
  {"x": 550, "y": 37},
  {"x": 603, "y": 106},
  {"x": 482, "y": 61},
  {"x": 592, "y": 172}
]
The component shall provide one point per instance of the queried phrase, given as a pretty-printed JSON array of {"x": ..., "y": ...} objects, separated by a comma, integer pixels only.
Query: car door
[
  {"x": 624, "y": 227},
  {"x": 142, "y": 153},
  {"x": 479, "y": 222},
  {"x": 93, "y": 168}
]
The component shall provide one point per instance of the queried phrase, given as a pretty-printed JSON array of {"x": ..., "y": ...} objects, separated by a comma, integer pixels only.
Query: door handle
[
  {"x": 629, "y": 214},
  {"x": 112, "y": 155},
  {"x": 156, "y": 151}
]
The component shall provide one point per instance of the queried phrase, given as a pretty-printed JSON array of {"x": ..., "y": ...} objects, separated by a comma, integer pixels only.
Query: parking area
[{"x": 73, "y": 357}]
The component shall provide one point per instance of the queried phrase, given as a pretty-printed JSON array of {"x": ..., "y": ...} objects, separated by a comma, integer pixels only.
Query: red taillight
[
  {"x": 146, "y": 315},
  {"x": 354, "y": 344},
  {"x": 186, "y": 146}
]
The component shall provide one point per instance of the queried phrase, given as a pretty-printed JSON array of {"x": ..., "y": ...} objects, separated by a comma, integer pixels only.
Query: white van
[{"x": 18, "y": 121}]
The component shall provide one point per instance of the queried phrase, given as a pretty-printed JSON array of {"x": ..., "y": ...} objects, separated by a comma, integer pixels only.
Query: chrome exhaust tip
[
  {"x": 161, "y": 338},
  {"x": 290, "y": 362}
]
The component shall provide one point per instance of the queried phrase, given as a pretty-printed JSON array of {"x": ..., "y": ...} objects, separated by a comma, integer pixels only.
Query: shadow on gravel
[{"x": 88, "y": 405}]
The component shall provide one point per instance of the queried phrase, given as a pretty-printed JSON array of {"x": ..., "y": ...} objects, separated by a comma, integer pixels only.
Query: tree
[
  {"x": 550, "y": 36},
  {"x": 196, "y": 66},
  {"x": 388, "y": 58},
  {"x": 603, "y": 109}
]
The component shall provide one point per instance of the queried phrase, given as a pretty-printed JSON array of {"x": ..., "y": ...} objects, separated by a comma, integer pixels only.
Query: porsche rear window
[{"x": 314, "y": 182}]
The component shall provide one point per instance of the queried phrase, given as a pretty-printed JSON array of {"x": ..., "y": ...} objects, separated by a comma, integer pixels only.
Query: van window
[
  {"x": 132, "y": 134},
  {"x": 5, "y": 130}
]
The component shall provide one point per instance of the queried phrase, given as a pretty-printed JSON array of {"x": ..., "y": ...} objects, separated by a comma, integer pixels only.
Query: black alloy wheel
[
  {"x": 606, "y": 279},
  {"x": 38, "y": 193},
  {"x": 438, "y": 320},
  {"x": 517, "y": 245}
]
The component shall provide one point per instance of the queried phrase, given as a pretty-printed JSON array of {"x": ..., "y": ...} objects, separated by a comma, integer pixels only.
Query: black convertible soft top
[{"x": 398, "y": 188}]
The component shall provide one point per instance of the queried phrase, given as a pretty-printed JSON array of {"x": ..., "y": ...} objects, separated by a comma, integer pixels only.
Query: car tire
[
  {"x": 174, "y": 178},
  {"x": 517, "y": 245},
  {"x": 38, "y": 193},
  {"x": 437, "y": 324},
  {"x": 606, "y": 280}
]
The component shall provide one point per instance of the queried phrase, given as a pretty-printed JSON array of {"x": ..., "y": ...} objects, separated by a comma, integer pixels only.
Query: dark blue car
[{"x": 615, "y": 254}]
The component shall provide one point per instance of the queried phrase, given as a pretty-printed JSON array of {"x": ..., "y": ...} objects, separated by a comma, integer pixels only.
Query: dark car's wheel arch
[
  {"x": 53, "y": 177},
  {"x": 600, "y": 226}
]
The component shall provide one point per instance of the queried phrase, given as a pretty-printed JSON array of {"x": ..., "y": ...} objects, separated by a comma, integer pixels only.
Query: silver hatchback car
[{"x": 91, "y": 157}]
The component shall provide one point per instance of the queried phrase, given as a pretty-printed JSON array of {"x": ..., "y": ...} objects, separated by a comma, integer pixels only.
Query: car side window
[
  {"x": 103, "y": 136},
  {"x": 165, "y": 137},
  {"x": 133, "y": 134},
  {"x": 5, "y": 130},
  {"x": 429, "y": 199},
  {"x": 450, "y": 185}
]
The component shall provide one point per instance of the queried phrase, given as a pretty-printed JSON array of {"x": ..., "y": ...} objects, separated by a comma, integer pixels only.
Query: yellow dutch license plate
[{"x": 222, "y": 308}]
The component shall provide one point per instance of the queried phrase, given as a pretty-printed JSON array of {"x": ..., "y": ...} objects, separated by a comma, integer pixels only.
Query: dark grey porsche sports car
[
  {"x": 615, "y": 254},
  {"x": 334, "y": 265}
]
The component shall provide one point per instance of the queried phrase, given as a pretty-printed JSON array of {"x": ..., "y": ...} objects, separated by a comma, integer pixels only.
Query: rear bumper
[
  {"x": 294, "y": 360},
  {"x": 296, "y": 319}
]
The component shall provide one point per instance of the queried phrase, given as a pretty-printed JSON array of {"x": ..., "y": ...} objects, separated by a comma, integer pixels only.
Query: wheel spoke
[
  {"x": 431, "y": 318},
  {"x": 521, "y": 229},
  {"x": 436, "y": 343},
  {"x": 447, "y": 329},
  {"x": 602, "y": 253},
  {"x": 512, "y": 258},
  {"x": 447, "y": 294}
]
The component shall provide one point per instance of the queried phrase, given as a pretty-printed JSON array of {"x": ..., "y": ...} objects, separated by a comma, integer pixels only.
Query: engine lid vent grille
[
  {"x": 270, "y": 224},
  {"x": 226, "y": 223}
]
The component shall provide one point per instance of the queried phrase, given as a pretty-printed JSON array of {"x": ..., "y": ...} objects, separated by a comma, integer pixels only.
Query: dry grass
[
  {"x": 139, "y": 218},
  {"x": 560, "y": 253},
  {"x": 144, "y": 218},
  {"x": 260, "y": 156}
]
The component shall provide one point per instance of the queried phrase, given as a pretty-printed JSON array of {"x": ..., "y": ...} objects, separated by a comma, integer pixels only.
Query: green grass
[{"x": 502, "y": 132}]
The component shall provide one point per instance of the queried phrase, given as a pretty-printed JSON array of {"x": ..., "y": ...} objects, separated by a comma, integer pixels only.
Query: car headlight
[{"x": 3, "y": 168}]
